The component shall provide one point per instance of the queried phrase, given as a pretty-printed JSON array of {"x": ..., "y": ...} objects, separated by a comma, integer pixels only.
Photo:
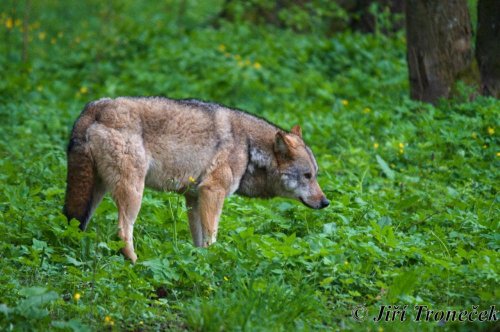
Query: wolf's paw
[
  {"x": 209, "y": 240},
  {"x": 130, "y": 254}
]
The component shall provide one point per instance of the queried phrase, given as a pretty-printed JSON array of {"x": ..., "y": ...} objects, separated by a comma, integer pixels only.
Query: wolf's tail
[{"x": 82, "y": 177}]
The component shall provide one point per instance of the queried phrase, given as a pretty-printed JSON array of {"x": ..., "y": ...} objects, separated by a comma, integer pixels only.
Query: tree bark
[
  {"x": 488, "y": 46},
  {"x": 439, "y": 46}
]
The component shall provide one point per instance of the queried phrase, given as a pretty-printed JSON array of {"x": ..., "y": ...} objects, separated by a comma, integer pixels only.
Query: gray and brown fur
[{"x": 122, "y": 145}]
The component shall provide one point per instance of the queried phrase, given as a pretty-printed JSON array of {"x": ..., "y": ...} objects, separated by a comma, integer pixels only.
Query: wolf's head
[{"x": 298, "y": 169}]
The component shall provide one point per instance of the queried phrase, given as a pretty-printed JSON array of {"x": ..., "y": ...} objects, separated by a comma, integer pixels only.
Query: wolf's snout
[
  {"x": 317, "y": 203},
  {"x": 324, "y": 202}
]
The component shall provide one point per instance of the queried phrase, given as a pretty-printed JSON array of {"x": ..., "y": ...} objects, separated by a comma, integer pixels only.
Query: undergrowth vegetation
[{"x": 414, "y": 217}]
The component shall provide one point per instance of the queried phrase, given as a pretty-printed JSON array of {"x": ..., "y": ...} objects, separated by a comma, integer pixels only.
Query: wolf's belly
[{"x": 176, "y": 171}]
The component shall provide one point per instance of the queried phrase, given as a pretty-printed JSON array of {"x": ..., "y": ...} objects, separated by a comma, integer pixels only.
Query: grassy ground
[{"x": 414, "y": 217}]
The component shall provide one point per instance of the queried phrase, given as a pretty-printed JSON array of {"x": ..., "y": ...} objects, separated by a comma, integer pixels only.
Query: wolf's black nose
[{"x": 324, "y": 202}]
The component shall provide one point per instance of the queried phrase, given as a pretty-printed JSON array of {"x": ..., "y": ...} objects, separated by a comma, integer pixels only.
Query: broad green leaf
[{"x": 385, "y": 168}]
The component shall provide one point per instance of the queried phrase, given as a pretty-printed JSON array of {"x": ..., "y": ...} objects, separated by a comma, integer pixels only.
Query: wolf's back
[{"x": 81, "y": 178}]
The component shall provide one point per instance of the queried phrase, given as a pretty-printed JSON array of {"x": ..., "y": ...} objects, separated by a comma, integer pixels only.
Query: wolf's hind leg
[
  {"x": 128, "y": 197},
  {"x": 121, "y": 163},
  {"x": 129, "y": 173}
]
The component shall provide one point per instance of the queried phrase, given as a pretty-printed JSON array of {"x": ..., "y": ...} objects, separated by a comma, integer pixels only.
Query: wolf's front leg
[
  {"x": 210, "y": 202},
  {"x": 194, "y": 220},
  {"x": 205, "y": 208},
  {"x": 211, "y": 194}
]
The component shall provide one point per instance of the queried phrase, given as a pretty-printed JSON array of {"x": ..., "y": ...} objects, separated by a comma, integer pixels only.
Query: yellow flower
[
  {"x": 17, "y": 23},
  {"x": 226, "y": 278},
  {"x": 474, "y": 135},
  {"x": 401, "y": 151},
  {"x": 346, "y": 263},
  {"x": 52, "y": 41},
  {"x": 247, "y": 62},
  {"x": 491, "y": 130},
  {"x": 84, "y": 90},
  {"x": 257, "y": 65},
  {"x": 485, "y": 146},
  {"x": 42, "y": 35},
  {"x": 380, "y": 329},
  {"x": 345, "y": 102},
  {"x": 191, "y": 179},
  {"x": 222, "y": 47},
  {"x": 39, "y": 88},
  {"x": 367, "y": 110},
  {"x": 77, "y": 296},
  {"x": 237, "y": 57},
  {"x": 109, "y": 321},
  {"x": 9, "y": 23},
  {"x": 401, "y": 145},
  {"x": 498, "y": 154},
  {"x": 141, "y": 322},
  {"x": 375, "y": 145}
]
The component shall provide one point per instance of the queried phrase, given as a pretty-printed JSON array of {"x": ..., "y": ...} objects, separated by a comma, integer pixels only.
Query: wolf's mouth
[{"x": 307, "y": 204}]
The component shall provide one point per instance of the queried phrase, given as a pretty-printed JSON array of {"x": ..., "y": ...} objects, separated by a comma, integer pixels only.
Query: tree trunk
[
  {"x": 488, "y": 46},
  {"x": 439, "y": 46}
]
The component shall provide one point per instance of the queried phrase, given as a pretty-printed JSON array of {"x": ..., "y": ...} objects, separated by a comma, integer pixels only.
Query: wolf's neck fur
[{"x": 261, "y": 174}]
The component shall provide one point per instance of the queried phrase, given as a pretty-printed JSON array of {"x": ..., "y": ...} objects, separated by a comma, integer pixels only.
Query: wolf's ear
[
  {"x": 296, "y": 130},
  {"x": 283, "y": 143}
]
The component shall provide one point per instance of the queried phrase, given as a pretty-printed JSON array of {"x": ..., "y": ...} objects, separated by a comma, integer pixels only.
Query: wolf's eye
[{"x": 308, "y": 176}]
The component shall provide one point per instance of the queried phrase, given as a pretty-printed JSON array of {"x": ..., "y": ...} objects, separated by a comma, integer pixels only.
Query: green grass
[{"x": 414, "y": 217}]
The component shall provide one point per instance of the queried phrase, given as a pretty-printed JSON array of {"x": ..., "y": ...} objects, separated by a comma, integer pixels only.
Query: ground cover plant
[{"x": 414, "y": 217}]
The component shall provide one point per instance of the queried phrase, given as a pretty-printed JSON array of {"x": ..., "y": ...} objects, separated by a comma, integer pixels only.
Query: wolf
[{"x": 202, "y": 150}]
